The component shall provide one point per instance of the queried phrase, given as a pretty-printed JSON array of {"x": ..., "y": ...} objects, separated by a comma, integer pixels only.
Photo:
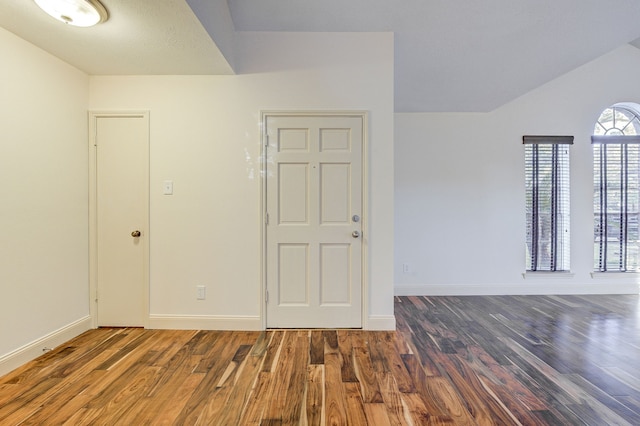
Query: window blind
[
  {"x": 547, "y": 202},
  {"x": 616, "y": 200}
]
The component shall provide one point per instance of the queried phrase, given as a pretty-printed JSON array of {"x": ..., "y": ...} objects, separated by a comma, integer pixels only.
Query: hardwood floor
[{"x": 507, "y": 360}]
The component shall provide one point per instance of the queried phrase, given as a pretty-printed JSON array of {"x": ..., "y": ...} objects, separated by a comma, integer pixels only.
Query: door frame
[
  {"x": 93, "y": 216},
  {"x": 363, "y": 115}
]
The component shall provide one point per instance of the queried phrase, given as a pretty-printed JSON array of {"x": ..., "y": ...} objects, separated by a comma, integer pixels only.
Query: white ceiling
[
  {"x": 140, "y": 37},
  {"x": 463, "y": 55}
]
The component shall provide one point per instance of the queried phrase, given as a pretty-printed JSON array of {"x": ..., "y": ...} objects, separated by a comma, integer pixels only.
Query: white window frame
[
  {"x": 547, "y": 184},
  {"x": 616, "y": 148}
]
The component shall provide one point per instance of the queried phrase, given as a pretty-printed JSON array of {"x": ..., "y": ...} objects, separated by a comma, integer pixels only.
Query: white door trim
[
  {"x": 93, "y": 224},
  {"x": 363, "y": 115}
]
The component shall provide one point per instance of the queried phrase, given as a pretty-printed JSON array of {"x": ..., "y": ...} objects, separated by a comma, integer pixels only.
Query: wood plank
[
  {"x": 202, "y": 344},
  {"x": 123, "y": 366},
  {"x": 439, "y": 395},
  {"x": 316, "y": 350},
  {"x": 400, "y": 412},
  {"x": 484, "y": 407},
  {"x": 177, "y": 368},
  {"x": 273, "y": 350},
  {"x": 314, "y": 402},
  {"x": 170, "y": 410},
  {"x": 504, "y": 379},
  {"x": 43, "y": 365},
  {"x": 376, "y": 415},
  {"x": 441, "y": 390},
  {"x": 345, "y": 347},
  {"x": 25, "y": 405},
  {"x": 222, "y": 350},
  {"x": 331, "y": 341},
  {"x": 171, "y": 342},
  {"x": 415, "y": 412},
  {"x": 114, "y": 357},
  {"x": 531, "y": 360},
  {"x": 356, "y": 411},
  {"x": 512, "y": 403},
  {"x": 9, "y": 391},
  {"x": 132, "y": 340},
  {"x": 296, "y": 398},
  {"x": 61, "y": 407},
  {"x": 261, "y": 392},
  {"x": 335, "y": 401},
  {"x": 260, "y": 346},
  {"x": 365, "y": 370},
  {"x": 73, "y": 385},
  {"x": 392, "y": 362},
  {"x": 122, "y": 401},
  {"x": 287, "y": 399},
  {"x": 226, "y": 404},
  {"x": 259, "y": 399},
  {"x": 162, "y": 407}
]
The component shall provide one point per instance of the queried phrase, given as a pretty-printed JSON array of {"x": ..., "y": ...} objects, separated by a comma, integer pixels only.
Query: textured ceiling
[
  {"x": 140, "y": 37},
  {"x": 462, "y": 55}
]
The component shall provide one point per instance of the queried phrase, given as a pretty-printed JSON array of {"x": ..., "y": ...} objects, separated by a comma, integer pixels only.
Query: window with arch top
[{"x": 616, "y": 188}]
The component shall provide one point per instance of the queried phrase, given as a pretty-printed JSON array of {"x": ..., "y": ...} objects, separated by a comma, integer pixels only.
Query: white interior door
[
  {"x": 121, "y": 208},
  {"x": 314, "y": 229}
]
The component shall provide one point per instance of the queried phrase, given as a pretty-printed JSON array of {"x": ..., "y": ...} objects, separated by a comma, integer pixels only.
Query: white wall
[
  {"x": 215, "y": 18},
  {"x": 205, "y": 136},
  {"x": 459, "y": 187},
  {"x": 43, "y": 201}
]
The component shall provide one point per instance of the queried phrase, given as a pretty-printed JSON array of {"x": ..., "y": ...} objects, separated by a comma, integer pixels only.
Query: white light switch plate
[
  {"x": 167, "y": 187},
  {"x": 202, "y": 292}
]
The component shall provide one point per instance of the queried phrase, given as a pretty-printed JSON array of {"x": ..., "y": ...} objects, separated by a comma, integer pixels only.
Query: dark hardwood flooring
[{"x": 499, "y": 360}]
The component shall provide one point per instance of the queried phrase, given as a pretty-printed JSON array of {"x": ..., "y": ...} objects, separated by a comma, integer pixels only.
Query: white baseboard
[
  {"x": 31, "y": 351},
  {"x": 204, "y": 322},
  {"x": 537, "y": 287},
  {"x": 219, "y": 322},
  {"x": 381, "y": 322}
]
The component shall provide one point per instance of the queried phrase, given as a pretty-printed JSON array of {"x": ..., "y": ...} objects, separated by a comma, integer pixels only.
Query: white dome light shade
[{"x": 80, "y": 13}]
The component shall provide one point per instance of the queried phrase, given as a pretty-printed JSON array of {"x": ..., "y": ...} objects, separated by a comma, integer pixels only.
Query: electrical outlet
[
  {"x": 202, "y": 292},
  {"x": 405, "y": 268}
]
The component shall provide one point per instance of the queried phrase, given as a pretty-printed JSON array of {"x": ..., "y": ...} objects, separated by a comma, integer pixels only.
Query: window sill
[
  {"x": 544, "y": 275},
  {"x": 615, "y": 275}
]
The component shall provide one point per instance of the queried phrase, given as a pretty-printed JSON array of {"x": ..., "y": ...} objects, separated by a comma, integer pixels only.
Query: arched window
[{"x": 616, "y": 188}]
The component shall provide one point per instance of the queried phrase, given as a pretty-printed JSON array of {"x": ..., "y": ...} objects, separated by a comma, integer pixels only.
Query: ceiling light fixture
[{"x": 80, "y": 13}]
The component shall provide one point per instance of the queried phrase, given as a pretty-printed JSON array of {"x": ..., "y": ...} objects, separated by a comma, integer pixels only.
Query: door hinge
[
  {"x": 266, "y": 140},
  {"x": 266, "y": 296},
  {"x": 266, "y": 218}
]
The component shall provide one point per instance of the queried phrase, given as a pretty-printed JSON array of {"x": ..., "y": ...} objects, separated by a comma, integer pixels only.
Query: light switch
[
  {"x": 202, "y": 292},
  {"x": 167, "y": 187}
]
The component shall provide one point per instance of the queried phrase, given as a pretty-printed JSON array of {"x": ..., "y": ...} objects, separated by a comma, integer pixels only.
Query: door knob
[
  {"x": 135, "y": 234},
  {"x": 355, "y": 234}
]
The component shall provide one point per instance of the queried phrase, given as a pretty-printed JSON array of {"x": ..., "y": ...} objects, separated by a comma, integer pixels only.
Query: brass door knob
[{"x": 135, "y": 234}]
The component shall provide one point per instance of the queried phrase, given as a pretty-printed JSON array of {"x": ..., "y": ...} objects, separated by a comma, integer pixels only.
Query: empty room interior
[{"x": 287, "y": 212}]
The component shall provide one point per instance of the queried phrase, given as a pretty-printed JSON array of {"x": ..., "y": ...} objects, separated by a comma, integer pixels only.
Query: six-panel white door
[
  {"x": 121, "y": 211},
  {"x": 314, "y": 231}
]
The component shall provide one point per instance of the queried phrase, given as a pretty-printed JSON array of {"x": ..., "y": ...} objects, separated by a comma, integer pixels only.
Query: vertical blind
[
  {"x": 616, "y": 193},
  {"x": 547, "y": 202}
]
